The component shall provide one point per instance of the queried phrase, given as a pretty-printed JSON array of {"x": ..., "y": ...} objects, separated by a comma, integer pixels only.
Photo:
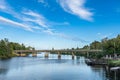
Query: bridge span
[{"x": 59, "y": 52}]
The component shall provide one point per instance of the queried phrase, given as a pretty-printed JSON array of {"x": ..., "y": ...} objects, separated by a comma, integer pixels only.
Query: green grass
[{"x": 114, "y": 62}]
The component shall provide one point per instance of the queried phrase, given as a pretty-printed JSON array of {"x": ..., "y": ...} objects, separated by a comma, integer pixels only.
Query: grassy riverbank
[
  {"x": 103, "y": 62},
  {"x": 114, "y": 63}
]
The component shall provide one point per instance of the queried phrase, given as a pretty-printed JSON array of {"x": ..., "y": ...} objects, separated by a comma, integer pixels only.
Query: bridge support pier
[
  {"x": 59, "y": 55},
  {"x": 34, "y": 54},
  {"x": 20, "y": 54},
  {"x": 46, "y": 55},
  {"x": 23, "y": 55},
  {"x": 73, "y": 56}
]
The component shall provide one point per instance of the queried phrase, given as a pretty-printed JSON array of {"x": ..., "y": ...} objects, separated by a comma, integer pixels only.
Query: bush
[{"x": 114, "y": 63}]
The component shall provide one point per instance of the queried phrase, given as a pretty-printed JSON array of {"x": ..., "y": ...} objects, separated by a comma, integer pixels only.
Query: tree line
[
  {"x": 109, "y": 46},
  {"x": 7, "y": 48}
]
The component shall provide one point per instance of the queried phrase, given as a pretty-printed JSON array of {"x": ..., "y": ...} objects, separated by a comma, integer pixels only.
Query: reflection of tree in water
[
  {"x": 110, "y": 75},
  {"x": 3, "y": 71},
  {"x": 77, "y": 57},
  {"x": 99, "y": 70},
  {"x": 105, "y": 72},
  {"x": 80, "y": 60},
  {"x": 4, "y": 67}
]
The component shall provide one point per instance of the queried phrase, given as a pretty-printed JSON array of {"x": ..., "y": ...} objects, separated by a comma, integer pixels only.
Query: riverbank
[
  {"x": 108, "y": 62},
  {"x": 7, "y": 56},
  {"x": 114, "y": 63},
  {"x": 96, "y": 62}
]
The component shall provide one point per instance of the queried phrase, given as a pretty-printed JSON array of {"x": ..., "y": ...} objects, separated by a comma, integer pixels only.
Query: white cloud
[
  {"x": 8, "y": 21},
  {"x": 77, "y": 7},
  {"x": 5, "y": 7},
  {"x": 49, "y": 31},
  {"x": 28, "y": 17},
  {"x": 40, "y": 19},
  {"x": 31, "y": 21},
  {"x": 31, "y": 13},
  {"x": 39, "y": 22},
  {"x": 43, "y": 23}
]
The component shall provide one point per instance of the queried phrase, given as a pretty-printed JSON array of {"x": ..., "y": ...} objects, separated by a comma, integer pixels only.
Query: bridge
[{"x": 59, "y": 52}]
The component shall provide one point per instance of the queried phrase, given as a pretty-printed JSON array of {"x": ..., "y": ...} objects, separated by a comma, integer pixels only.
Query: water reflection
[{"x": 39, "y": 68}]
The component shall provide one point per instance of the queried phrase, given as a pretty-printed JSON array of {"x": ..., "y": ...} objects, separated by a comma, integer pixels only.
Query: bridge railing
[{"x": 84, "y": 50}]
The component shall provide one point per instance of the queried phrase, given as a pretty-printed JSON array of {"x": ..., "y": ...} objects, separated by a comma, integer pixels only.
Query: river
[{"x": 39, "y": 68}]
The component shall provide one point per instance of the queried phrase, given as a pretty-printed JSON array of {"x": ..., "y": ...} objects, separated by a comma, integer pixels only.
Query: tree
[
  {"x": 6, "y": 48},
  {"x": 109, "y": 46},
  {"x": 95, "y": 45},
  {"x": 86, "y": 47}
]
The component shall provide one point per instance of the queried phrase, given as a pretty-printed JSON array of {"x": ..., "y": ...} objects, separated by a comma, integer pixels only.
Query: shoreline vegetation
[
  {"x": 114, "y": 63},
  {"x": 7, "y": 48},
  {"x": 110, "y": 47}
]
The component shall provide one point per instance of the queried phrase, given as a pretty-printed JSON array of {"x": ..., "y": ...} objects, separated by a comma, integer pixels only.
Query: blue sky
[{"x": 44, "y": 24}]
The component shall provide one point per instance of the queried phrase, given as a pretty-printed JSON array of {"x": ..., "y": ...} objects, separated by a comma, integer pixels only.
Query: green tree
[
  {"x": 95, "y": 45},
  {"x": 7, "y": 48}
]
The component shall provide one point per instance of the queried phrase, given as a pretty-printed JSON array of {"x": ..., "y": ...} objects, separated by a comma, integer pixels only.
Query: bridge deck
[{"x": 17, "y": 51}]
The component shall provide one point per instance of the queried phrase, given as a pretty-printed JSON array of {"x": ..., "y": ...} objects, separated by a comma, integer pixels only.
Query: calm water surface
[{"x": 38, "y": 68}]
